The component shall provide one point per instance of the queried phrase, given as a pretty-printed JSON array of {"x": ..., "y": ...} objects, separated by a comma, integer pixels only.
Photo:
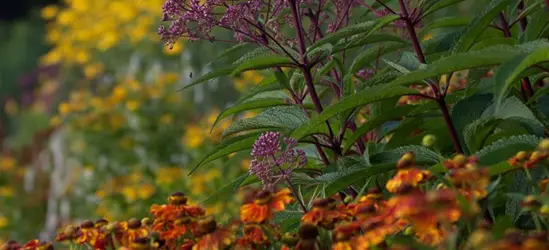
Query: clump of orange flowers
[
  {"x": 530, "y": 159},
  {"x": 412, "y": 206}
]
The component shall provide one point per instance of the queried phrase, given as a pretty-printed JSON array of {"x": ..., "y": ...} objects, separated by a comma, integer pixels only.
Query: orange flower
[
  {"x": 264, "y": 205},
  {"x": 324, "y": 213},
  {"x": 253, "y": 238},
  {"x": 37, "y": 245},
  {"x": 133, "y": 229},
  {"x": 432, "y": 235},
  {"x": 470, "y": 182},
  {"x": 410, "y": 177},
  {"x": 213, "y": 238}
]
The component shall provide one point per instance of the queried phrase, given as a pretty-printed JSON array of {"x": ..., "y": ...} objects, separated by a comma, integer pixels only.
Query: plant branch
[
  {"x": 421, "y": 57},
  {"x": 386, "y": 7}
]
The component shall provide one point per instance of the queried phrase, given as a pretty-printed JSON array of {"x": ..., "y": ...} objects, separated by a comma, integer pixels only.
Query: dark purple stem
[{"x": 421, "y": 57}]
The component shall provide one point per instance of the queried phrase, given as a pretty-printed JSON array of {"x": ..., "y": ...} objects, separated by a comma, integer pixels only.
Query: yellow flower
[
  {"x": 173, "y": 50},
  {"x": 193, "y": 136},
  {"x": 55, "y": 121},
  {"x": 130, "y": 193},
  {"x": 118, "y": 94},
  {"x": 168, "y": 175},
  {"x": 93, "y": 70},
  {"x": 3, "y": 221},
  {"x": 11, "y": 107},
  {"x": 6, "y": 191},
  {"x": 146, "y": 191},
  {"x": 245, "y": 164},
  {"x": 428, "y": 36},
  {"x": 6, "y": 163},
  {"x": 64, "y": 108},
  {"x": 132, "y": 105},
  {"x": 166, "y": 119}
]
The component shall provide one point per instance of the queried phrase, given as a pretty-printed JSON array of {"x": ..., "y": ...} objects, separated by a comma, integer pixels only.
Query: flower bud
[
  {"x": 544, "y": 145},
  {"x": 134, "y": 223},
  {"x": 177, "y": 198},
  {"x": 308, "y": 231},
  {"x": 530, "y": 201},
  {"x": 460, "y": 159},
  {"x": 406, "y": 160},
  {"x": 544, "y": 210},
  {"x": 146, "y": 221},
  {"x": 521, "y": 155},
  {"x": 428, "y": 140},
  {"x": 290, "y": 239},
  {"x": 87, "y": 224}
]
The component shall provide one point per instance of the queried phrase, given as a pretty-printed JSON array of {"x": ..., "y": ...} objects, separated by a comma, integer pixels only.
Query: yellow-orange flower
[{"x": 264, "y": 205}]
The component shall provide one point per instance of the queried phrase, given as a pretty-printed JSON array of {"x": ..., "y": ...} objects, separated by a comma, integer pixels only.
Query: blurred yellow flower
[
  {"x": 168, "y": 175},
  {"x": 6, "y": 191},
  {"x": 118, "y": 94},
  {"x": 7, "y": 163},
  {"x": 146, "y": 191},
  {"x": 3, "y": 221},
  {"x": 11, "y": 107},
  {"x": 132, "y": 105},
  {"x": 93, "y": 70},
  {"x": 173, "y": 50},
  {"x": 130, "y": 193},
  {"x": 427, "y": 36},
  {"x": 193, "y": 136},
  {"x": 166, "y": 119},
  {"x": 64, "y": 108},
  {"x": 55, "y": 121},
  {"x": 245, "y": 164}
]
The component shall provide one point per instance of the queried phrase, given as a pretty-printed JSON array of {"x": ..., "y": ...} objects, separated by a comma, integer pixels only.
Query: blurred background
[{"x": 91, "y": 123}]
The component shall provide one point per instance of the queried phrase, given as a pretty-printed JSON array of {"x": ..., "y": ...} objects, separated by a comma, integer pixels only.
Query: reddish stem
[{"x": 421, "y": 57}]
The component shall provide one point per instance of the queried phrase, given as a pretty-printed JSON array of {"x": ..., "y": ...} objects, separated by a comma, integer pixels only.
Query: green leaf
[
  {"x": 476, "y": 133},
  {"x": 282, "y": 79},
  {"x": 468, "y": 110},
  {"x": 263, "y": 62},
  {"x": 504, "y": 149},
  {"x": 231, "y": 50},
  {"x": 324, "y": 70},
  {"x": 479, "y": 24},
  {"x": 513, "y": 108},
  {"x": 382, "y": 77},
  {"x": 257, "y": 90},
  {"x": 423, "y": 155},
  {"x": 537, "y": 26},
  {"x": 532, "y": 8},
  {"x": 367, "y": 56},
  {"x": 439, "y": 5},
  {"x": 444, "y": 23},
  {"x": 510, "y": 71},
  {"x": 460, "y": 61},
  {"x": 366, "y": 27},
  {"x": 227, "y": 190},
  {"x": 250, "y": 105},
  {"x": 486, "y": 43},
  {"x": 288, "y": 220},
  {"x": 339, "y": 180},
  {"x": 358, "y": 99},
  {"x": 374, "y": 122},
  {"x": 285, "y": 118},
  {"x": 211, "y": 75},
  {"x": 227, "y": 147}
]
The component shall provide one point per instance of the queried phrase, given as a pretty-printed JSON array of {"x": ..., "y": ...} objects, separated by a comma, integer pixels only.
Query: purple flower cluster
[
  {"x": 274, "y": 159},
  {"x": 190, "y": 19}
]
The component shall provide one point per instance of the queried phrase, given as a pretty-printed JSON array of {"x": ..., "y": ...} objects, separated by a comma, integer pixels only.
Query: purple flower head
[
  {"x": 366, "y": 73},
  {"x": 266, "y": 145},
  {"x": 274, "y": 158}
]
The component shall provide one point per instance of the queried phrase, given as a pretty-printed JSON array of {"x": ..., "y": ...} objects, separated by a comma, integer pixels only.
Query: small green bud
[{"x": 429, "y": 140}]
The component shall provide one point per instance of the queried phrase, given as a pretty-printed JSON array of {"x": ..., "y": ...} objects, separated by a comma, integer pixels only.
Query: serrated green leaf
[
  {"x": 374, "y": 122},
  {"x": 358, "y": 99},
  {"x": 211, "y": 75},
  {"x": 475, "y": 133},
  {"x": 227, "y": 147},
  {"x": 368, "y": 27},
  {"x": 367, "y": 56},
  {"x": 251, "y": 105},
  {"x": 468, "y": 110},
  {"x": 285, "y": 118},
  {"x": 263, "y": 88},
  {"x": 461, "y": 61},
  {"x": 478, "y": 25},
  {"x": 504, "y": 149},
  {"x": 444, "y": 23},
  {"x": 263, "y": 62},
  {"x": 510, "y": 71},
  {"x": 486, "y": 43},
  {"x": 513, "y": 108},
  {"x": 423, "y": 155},
  {"x": 339, "y": 180}
]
